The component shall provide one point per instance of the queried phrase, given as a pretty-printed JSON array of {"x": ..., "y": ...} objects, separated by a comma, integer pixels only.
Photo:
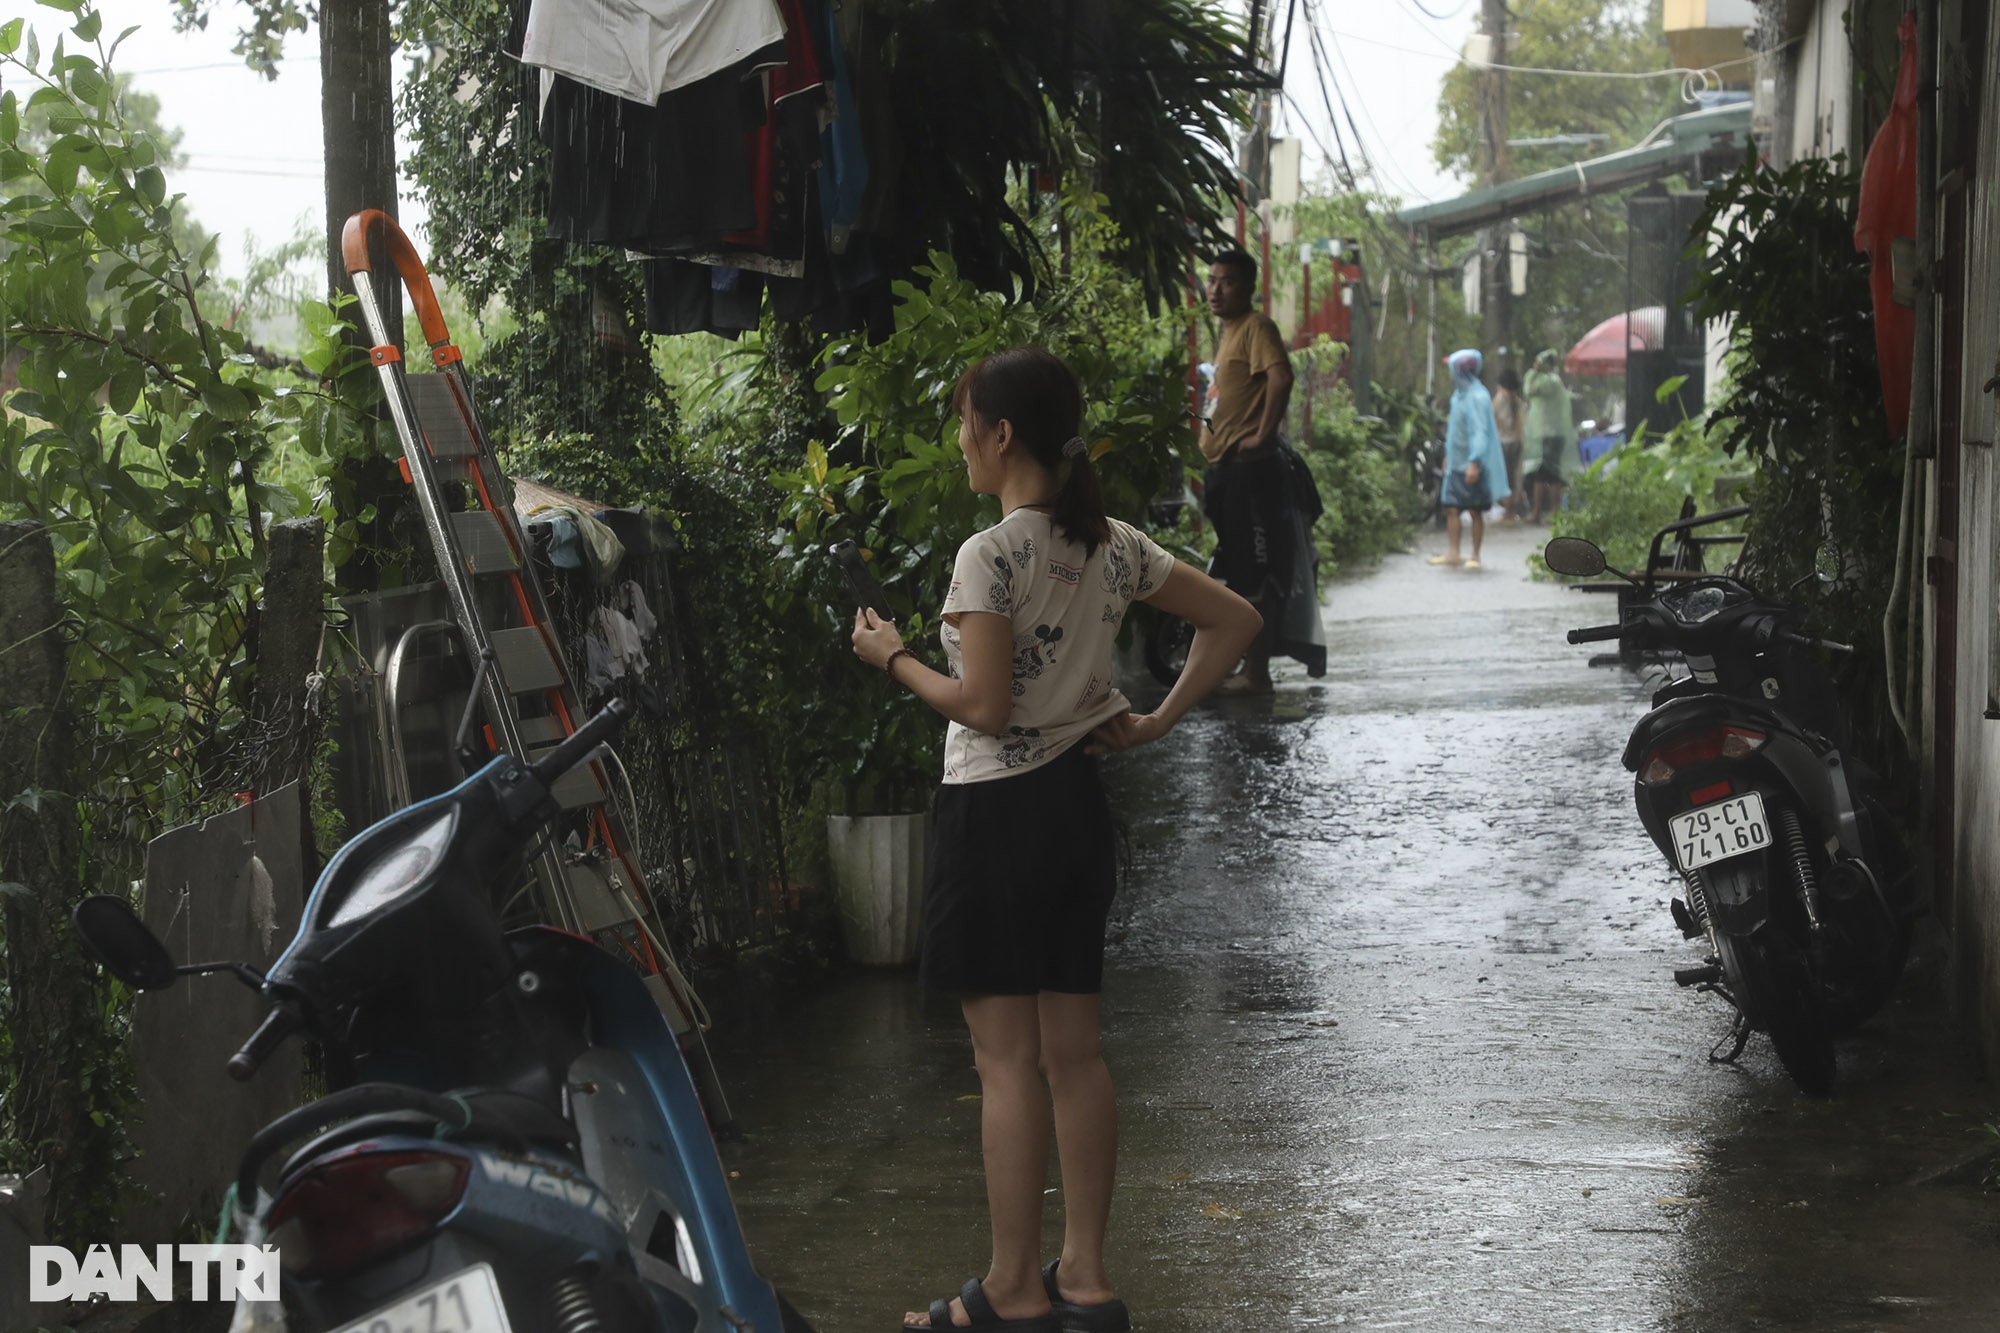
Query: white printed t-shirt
[{"x": 1065, "y": 610}]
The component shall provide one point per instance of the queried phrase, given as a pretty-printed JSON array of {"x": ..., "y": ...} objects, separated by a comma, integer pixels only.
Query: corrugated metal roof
[{"x": 1676, "y": 141}]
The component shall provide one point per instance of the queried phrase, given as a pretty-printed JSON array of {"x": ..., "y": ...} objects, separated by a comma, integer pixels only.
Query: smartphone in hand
[{"x": 867, "y": 592}]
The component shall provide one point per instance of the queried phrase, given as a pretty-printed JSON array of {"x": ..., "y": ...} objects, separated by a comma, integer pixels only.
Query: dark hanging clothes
[
  {"x": 783, "y": 147},
  {"x": 724, "y": 182},
  {"x": 660, "y": 178},
  {"x": 683, "y": 297}
]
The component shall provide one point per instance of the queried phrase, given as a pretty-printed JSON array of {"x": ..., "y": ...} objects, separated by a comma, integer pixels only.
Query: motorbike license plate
[
  {"x": 1717, "y": 832},
  {"x": 466, "y": 1302}
]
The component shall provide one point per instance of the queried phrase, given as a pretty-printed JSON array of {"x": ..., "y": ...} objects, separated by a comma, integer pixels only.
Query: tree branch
[{"x": 166, "y": 372}]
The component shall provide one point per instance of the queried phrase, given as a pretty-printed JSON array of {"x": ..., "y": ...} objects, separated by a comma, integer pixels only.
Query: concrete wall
[{"x": 1975, "y": 909}]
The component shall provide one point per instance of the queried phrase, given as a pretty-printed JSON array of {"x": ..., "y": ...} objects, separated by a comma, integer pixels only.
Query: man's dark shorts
[{"x": 1248, "y": 498}]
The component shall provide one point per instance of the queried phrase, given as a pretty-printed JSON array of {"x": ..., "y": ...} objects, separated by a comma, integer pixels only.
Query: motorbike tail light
[
  {"x": 345, "y": 1211},
  {"x": 1663, "y": 761}
]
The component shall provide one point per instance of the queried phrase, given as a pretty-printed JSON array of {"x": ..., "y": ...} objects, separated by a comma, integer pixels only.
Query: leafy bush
[
  {"x": 1638, "y": 488},
  {"x": 1804, "y": 404},
  {"x": 1363, "y": 480},
  {"x": 891, "y": 479},
  {"x": 143, "y": 439}
]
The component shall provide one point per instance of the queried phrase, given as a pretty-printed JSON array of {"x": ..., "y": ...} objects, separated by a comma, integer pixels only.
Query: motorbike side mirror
[
  {"x": 1574, "y": 556},
  {"x": 1828, "y": 563},
  {"x": 114, "y": 935}
]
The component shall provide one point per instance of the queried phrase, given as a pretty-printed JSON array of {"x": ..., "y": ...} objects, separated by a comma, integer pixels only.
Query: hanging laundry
[
  {"x": 640, "y": 49},
  {"x": 785, "y": 146},
  {"x": 659, "y": 178},
  {"x": 725, "y": 172},
  {"x": 601, "y": 670},
  {"x": 633, "y": 597},
  {"x": 843, "y": 159},
  {"x": 622, "y": 637},
  {"x": 579, "y": 541},
  {"x": 686, "y": 297}
]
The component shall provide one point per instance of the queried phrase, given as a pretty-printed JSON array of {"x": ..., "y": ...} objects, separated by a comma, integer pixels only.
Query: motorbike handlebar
[
  {"x": 280, "y": 1023},
  {"x": 1808, "y": 641},
  {"x": 586, "y": 738},
  {"x": 1596, "y": 633}
]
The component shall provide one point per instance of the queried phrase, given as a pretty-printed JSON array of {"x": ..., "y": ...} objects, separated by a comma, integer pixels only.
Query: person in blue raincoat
[{"x": 1475, "y": 469}]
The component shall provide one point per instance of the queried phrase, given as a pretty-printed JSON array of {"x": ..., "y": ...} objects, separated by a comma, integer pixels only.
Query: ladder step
[
  {"x": 483, "y": 543},
  {"x": 526, "y": 663},
  {"x": 597, "y": 907},
  {"x": 439, "y": 418}
]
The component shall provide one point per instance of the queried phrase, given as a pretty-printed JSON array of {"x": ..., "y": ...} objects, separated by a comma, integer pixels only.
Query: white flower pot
[{"x": 878, "y": 880}]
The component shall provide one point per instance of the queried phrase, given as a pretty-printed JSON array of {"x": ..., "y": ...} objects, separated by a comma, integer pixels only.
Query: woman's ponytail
[
  {"x": 1036, "y": 390},
  {"x": 1079, "y": 504}
]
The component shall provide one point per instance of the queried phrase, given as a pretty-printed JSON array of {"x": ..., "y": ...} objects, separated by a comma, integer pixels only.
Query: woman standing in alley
[
  {"x": 1022, "y": 866},
  {"x": 1509, "y": 419},
  {"x": 1475, "y": 472},
  {"x": 1552, "y": 431}
]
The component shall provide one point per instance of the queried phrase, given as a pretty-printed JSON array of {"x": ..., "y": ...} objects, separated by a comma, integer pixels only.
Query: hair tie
[{"x": 1074, "y": 447}]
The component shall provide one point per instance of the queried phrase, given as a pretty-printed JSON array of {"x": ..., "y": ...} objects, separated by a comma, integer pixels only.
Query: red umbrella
[{"x": 1602, "y": 350}]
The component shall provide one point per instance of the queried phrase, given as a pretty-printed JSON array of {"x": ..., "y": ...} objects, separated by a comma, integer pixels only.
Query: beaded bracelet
[{"x": 889, "y": 667}]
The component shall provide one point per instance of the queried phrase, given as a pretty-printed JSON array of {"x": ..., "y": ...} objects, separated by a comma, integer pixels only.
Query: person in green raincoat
[
  {"x": 1475, "y": 468},
  {"x": 1551, "y": 431}
]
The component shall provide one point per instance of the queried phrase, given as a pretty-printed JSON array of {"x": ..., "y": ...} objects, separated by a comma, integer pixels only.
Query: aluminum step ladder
[{"x": 531, "y": 701}]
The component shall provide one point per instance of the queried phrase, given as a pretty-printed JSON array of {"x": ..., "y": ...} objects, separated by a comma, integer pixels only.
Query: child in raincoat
[{"x": 1475, "y": 469}]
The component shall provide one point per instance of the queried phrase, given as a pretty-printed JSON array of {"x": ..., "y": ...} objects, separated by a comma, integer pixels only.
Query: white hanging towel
[{"x": 639, "y": 49}]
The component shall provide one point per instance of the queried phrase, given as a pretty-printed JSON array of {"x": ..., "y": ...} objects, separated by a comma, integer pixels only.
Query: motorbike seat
[{"x": 497, "y": 1116}]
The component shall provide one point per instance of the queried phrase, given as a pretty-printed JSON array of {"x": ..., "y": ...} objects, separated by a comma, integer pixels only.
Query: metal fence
[{"x": 697, "y": 801}]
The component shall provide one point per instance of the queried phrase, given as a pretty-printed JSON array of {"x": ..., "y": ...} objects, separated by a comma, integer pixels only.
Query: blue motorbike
[{"x": 515, "y": 1143}]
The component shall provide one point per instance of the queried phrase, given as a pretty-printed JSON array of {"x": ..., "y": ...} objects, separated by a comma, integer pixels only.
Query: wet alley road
[{"x": 1390, "y": 1007}]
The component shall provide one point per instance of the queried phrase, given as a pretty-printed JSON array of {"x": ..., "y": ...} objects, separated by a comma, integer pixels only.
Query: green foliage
[
  {"x": 1804, "y": 404},
  {"x": 892, "y": 479},
  {"x": 141, "y": 438},
  {"x": 1638, "y": 488},
  {"x": 1122, "y": 94},
  {"x": 261, "y": 42},
  {"x": 1406, "y": 423},
  {"x": 1577, "y": 252},
  {"x": 1361, "y": 470},
  {"x": 567, "y": 390},
  {"x": 1614, "y": 36}
]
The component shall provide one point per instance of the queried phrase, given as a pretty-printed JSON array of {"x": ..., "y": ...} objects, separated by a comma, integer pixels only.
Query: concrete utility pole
[
  {"x": 1496, "y": 291},
  {"x": 1253, "y": 169}
]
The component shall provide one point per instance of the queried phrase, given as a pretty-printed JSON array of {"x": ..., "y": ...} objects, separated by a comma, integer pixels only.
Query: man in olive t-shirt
[{"x": 1247, "y": 488}]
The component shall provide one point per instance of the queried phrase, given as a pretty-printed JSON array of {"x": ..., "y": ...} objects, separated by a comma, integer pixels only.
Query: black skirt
[{"x": 1019, "y": 880}]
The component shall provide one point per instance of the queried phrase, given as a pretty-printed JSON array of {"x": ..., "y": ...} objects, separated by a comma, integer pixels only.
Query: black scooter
[
  {"x": 516, "y": 1143},
  {"x": 1795, "y": 878}
]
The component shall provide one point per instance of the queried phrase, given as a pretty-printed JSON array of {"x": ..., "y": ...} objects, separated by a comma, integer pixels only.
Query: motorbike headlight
[{"x": 401, "y": 869}]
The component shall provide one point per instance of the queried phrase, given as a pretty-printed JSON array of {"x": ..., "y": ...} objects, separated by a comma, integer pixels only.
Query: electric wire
[
  {"x": 1346, "y": 107},
  {"x": 1430, "y": 13},
  {"x": 1396, "y": 249},
  {"x": 1329, "y": 90},
  {"x": 1459, "y": 57}
]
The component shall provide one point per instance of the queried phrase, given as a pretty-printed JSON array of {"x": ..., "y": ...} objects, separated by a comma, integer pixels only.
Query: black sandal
[
  {"x": 984, "y": 1317},
  {"x": 1104, "y": 1317}
]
